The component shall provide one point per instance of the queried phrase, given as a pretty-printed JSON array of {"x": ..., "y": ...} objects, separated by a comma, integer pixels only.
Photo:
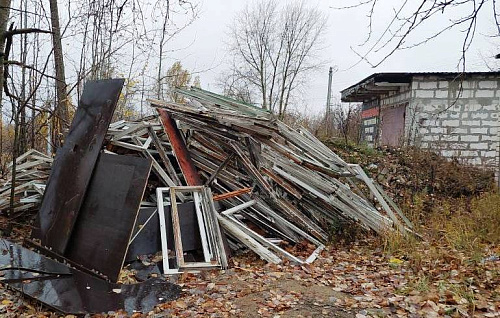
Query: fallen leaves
[
  {"x": 355, "y": 281},
  {"x": 358, "y": 278}
]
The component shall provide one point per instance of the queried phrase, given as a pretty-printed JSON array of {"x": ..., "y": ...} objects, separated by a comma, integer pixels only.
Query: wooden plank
[
  {"x": 219, "y": 168},
  {"x": 232, "y": 194},
  {"x": 163, "y": 229},
  {"x": 283, "y": 183},
  {"x": 106, "y": 220},
  {"x": 237, "y": 208},
  {"x": 263, "y": 241},
  {"x": 164, "y": 157},
  {"x": 127, "y": 145},
  {"x": 251, "y": 169},
  {"x": 394, "y": 205},
  {"x": 369, "y": 182},
  {"x": 220, "y": 238},
  {"x": 179, "y": 253},
  {"x": 72, "y": 169},
  {"x": 250, "y": 242},
  {"x": 202, "y": 226}
]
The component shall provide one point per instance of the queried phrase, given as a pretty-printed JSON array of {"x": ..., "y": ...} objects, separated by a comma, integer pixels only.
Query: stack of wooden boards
[
  {"x": 299, "y": 187},
  {"x": 32, "y": 172}
]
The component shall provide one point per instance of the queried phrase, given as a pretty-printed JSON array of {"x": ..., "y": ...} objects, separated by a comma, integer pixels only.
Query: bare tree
[
  {"x": 410, "y": 16},
  {"x": 61, "y": 110},
  {"x": 274, "y": 48},
  {"x": 4, "y": 18},
  {"x": 347, "y": 121},
  {"x": 167, "y": 35},
  {"x": 235, "y": 87}
]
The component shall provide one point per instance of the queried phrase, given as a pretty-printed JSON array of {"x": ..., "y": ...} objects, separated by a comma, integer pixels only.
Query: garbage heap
[{"x": 188, "y": 187}]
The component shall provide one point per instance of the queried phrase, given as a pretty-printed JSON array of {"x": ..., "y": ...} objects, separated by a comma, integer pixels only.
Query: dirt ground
[{"x": 356, "y": 280}]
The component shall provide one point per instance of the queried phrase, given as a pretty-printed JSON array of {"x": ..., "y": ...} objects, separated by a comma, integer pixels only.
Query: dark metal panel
[
  {"x": 148, "y": 241},
  {"x": 104, "y": 225},
  {"x": 75, "y": 292},
  {"x": 180, "y": 150},
  {"x": 74, "y": 162}
]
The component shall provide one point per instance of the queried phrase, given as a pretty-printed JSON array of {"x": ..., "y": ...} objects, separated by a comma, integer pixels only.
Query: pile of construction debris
[
  {"x": 225, "y": 176},
  {"x": 32, "y": 172}
]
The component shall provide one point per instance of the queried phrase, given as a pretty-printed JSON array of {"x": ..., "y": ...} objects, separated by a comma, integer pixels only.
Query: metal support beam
[{"x": 180, "y": 150}]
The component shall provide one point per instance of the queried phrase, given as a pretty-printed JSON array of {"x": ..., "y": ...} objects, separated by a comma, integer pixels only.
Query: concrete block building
[{"x": 455, "y": 114}]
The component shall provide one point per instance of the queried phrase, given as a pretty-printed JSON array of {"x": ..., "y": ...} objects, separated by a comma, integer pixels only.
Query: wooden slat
[
  {"x": 231, "y": 194},
  {"x": 164, "y": 157}
]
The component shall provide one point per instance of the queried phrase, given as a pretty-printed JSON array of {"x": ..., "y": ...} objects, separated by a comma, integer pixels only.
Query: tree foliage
[{"x": 178, "y": 77}]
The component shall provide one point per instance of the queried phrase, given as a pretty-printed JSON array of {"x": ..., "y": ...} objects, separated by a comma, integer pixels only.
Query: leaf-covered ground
[
  {"x": 358, "y": 280},
  {"x": 453, "y": 271}
]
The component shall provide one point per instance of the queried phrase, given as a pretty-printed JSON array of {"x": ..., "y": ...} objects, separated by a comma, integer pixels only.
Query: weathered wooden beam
[
  {"x": 250, "y": 242},
  {"x": 219, "y": 168},
  {"x": 283, "y": 183},
  {"x": 240, "y": 207},
  {"x": 232, "y": 194},
  {"x": 164, "y": 156},
  {"x": 251, "y": 169}
]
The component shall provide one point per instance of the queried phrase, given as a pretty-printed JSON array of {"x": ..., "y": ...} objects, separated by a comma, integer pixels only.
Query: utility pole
[{"x": 328, "y": 100}]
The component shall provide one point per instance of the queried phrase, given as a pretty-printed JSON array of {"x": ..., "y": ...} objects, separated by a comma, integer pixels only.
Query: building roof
[{"x": 379, "y": 84}]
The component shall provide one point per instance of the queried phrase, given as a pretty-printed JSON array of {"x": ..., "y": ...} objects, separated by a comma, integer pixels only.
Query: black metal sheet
[
  {"x": 148, "y": 241},
  {"x": 106, "y": 219},
  {"x": 16, "y": 258},
  {"x": 80, "y": 293},
  {"x": 144, "y": 272},
  {"x": 74, "y": 162}
]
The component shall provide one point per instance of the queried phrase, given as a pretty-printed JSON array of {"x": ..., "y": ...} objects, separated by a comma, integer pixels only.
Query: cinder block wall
[{"x": 466, "y": 127}]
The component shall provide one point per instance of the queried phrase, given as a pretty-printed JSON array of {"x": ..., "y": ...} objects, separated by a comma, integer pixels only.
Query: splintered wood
[
  {"x": 273, "y": 186},
  {"x": 299, "y": 187}
]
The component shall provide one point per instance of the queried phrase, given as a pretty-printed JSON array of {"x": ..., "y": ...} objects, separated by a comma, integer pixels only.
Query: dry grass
[{"x": 454, "y": 229}]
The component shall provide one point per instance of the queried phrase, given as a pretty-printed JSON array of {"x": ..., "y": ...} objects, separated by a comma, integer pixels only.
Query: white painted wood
[
  {"x": 262, "y": 240},
  {"x": 250, "y": 242},
  {"x": 163, "y": 228},
  {"x": 238, "y": 208},
  {"x": 380, "y": 199},
  {"x": 315, "y": 254},
  {"x": 201, "y": 226},
  {"x": 127, "y": 145}
]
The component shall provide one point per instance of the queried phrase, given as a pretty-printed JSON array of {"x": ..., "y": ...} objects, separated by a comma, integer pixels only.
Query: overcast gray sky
[{"x": 205, "y": 47}]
